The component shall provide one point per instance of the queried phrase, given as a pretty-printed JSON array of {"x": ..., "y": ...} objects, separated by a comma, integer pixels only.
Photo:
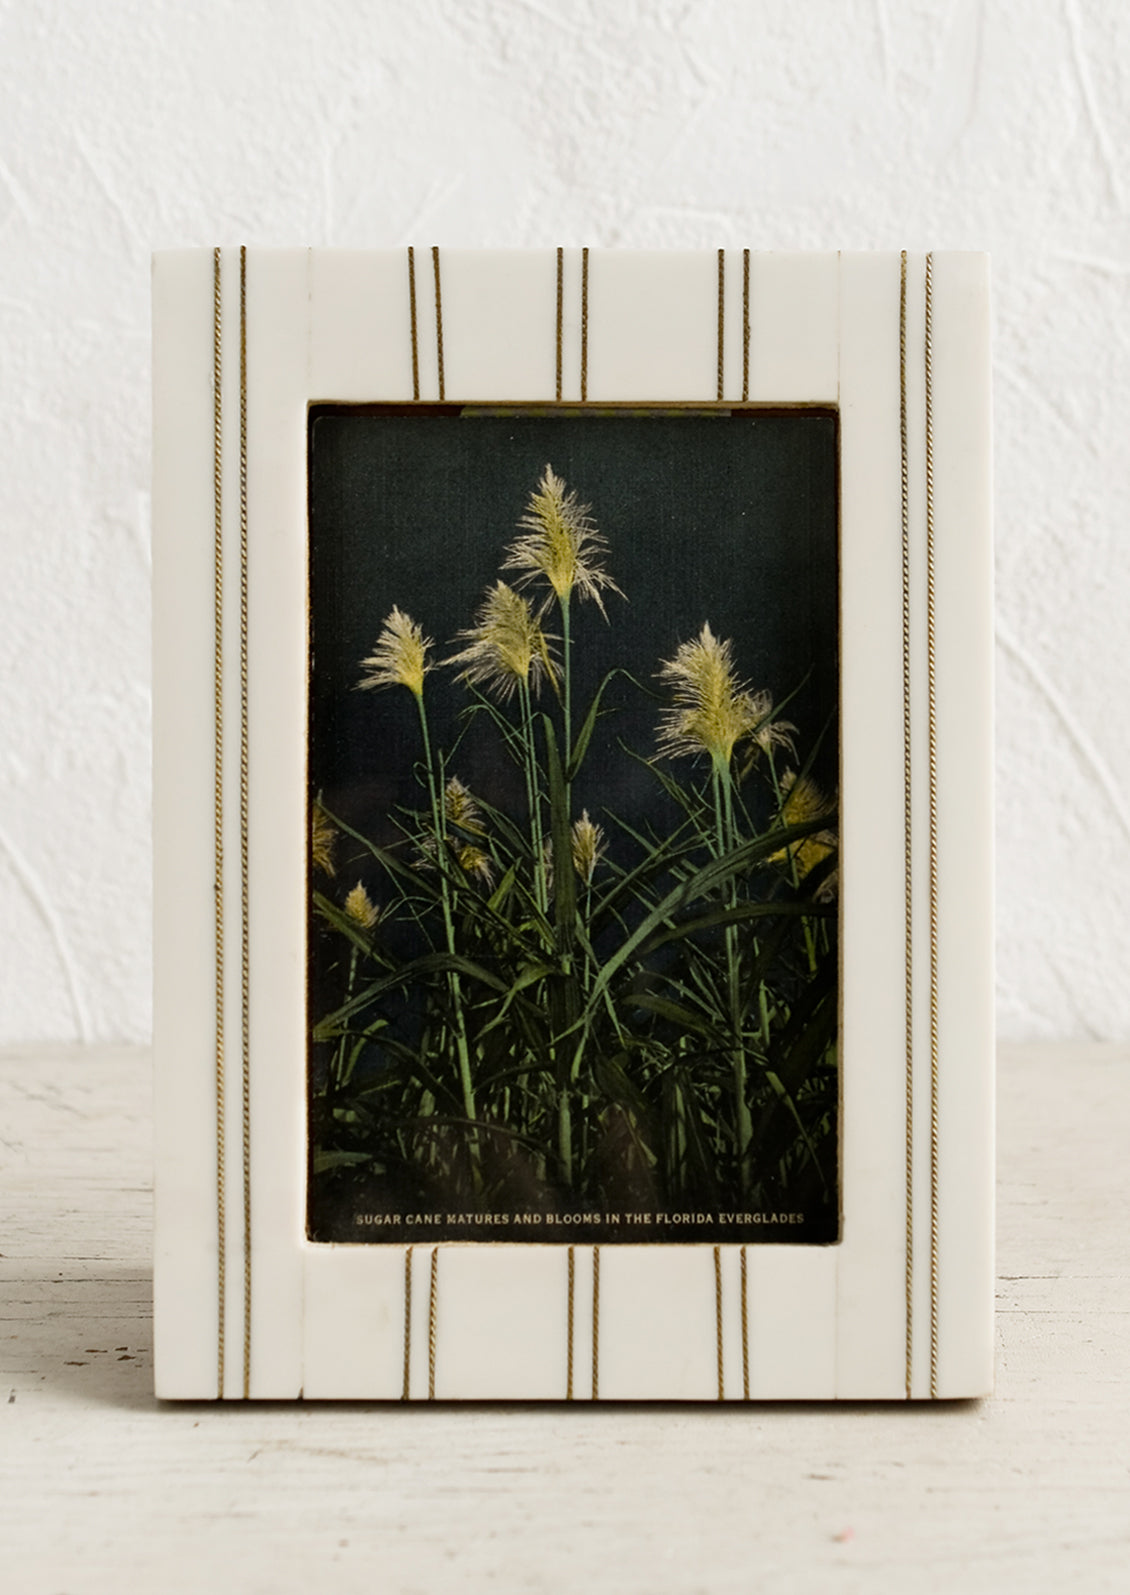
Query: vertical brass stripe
[
  {"x": 406, "y": 1388},
  {"x": 721, "y": 322},
  {"x": 244, "y": 828},
  {"x": 745, "y": 324},
  {"x": 907, "y": 848},
  {"x": 584, "y": 324},
  {"x": 412, "y": 320},
  {"x": 718, "y": 1320},
  {"x": 433, "y": 1314},
  {"x": 931, "y": 659},
  {"x": 439, "y": 319},
  {"x": 569, "y": 1350},
  {"x": 560, "y": 314},
  {"x": 218, "y": 809},
  {"x": 596, "y": 1323},
  {"x": 745, "y": 1330}
]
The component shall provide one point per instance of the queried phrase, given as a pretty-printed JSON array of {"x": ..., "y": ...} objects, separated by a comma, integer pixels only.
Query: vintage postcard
[{"x": 573, "y": 766}]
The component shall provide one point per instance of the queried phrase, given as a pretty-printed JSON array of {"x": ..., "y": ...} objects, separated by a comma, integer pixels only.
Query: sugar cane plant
[{"x": 552, "y": 1006}]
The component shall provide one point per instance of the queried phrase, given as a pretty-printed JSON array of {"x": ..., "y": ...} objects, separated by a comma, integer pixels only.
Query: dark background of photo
[{"x": 730, "y": 519}]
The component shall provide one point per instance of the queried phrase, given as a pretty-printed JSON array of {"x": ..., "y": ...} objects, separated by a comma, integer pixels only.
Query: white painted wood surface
[{"x": 103, "y": 1489}]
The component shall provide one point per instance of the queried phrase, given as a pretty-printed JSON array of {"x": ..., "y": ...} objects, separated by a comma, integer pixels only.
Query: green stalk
[
  {"x": 339, "y": 1061},
  {"x": 728, "y": 803},
  {"x": 567, "y": 655},
  {"x": 565, "y": 1136},
  {"x": 564, "y": 1110},
  {"x": 449, "y": 931},
  {"x": 586, "y": 979},
  {"x": 533, "y": 798},
  {"x": 716, "y": 792},
  {"x": 724, "y": 824}
]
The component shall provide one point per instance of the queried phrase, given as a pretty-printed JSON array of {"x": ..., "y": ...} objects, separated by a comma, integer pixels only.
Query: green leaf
[
  {"x": 518, "y": 843},
  {"x": 679, "y": 1015},
  {"x": 564, "y": 876},
  {"x": 427, "y": 964},
  {"x": 359, "y": 1046},
  {"x": 509, "y": 733},
  {"x": 615, "y": 1081},
  {"x": 529, "y": 976},
  {"x": 795, "y": 1055},
  {"x": 790, "y": 1106},
  {"x": 690, "y": 803},
  {"x": 421, "y": 885},
  {"x": 812, "y": 1025},
  {"x": 588, "y": 726},
  {"x": 734, "y": 915},
  {"x": 709, "y": 878},
  {"x": 502, "y": 890},
  {"x": 338, "y": 1160},
  {"x": 349, "y": 928},
  {"x": 658, "y": 861}
]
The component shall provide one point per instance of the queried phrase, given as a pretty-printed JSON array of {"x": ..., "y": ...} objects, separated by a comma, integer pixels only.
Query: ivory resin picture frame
[{"x": 573, "y": 825}]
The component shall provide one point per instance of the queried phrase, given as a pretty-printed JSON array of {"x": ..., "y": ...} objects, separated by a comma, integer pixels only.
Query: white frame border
[{"x": 485, "y": 1320}]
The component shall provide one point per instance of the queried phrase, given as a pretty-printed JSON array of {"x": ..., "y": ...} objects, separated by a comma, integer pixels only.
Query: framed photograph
[{"x": 572, "y": 825}]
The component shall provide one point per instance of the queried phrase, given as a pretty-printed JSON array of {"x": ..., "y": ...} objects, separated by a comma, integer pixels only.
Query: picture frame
[{"x": 875, "y": 367}]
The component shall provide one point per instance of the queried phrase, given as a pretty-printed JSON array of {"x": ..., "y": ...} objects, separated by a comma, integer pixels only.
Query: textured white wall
[{"x": 999, "y": 124}]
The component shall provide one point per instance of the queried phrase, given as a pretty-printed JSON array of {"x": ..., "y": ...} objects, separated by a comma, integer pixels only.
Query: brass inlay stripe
[
  {"x": 439, "y": 319},
  {"x": 560, "y": 314},
  {"x": 218, "y": 806},
  {"x": 721, "y": 320},
  {"x": 745, "y": 1331},
  {"x": 412, "y": 318},
  {"x": 584, "y": 325},
  {"x": 244, "y": 828},
  {"x": 569, "y": 1352},
  {"x": 907, "y": 849},
  {"x": 596, "y": 1323},
  {"x": 718, "y": 1319},
  {"x": 405, "y": 1389},
  {"x": 745, "y": 324},
  {"x": 931, "y": 659},
  {"x": 433, "y": 1313}
]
